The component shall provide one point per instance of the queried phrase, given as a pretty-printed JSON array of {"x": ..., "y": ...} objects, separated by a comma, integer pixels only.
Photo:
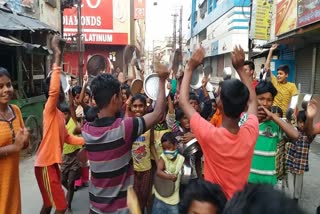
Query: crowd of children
[{"x": 126, "y": 140}]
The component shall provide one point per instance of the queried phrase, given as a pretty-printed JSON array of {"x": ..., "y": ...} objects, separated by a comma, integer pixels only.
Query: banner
[
  {"x": 139, "y": 9},
  {"x": 261, "y": 20},
  {"x": 308, "y": 12},
  {"x": 102, "y": 21},
  {"x": 286, "y": 17}
]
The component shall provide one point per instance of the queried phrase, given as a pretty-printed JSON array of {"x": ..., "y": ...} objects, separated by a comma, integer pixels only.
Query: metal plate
[
  {"x": 151, "y": 86},
  {"x": 196, "y": 78},
  {"x": 136, "y": 86},
  {"x": 64, "y": 79}
]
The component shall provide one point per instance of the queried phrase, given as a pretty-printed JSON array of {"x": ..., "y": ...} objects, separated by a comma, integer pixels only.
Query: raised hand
[
  {"x": 312, "y": 109},
  {"x": 274, "y": 46},
  {"x": 55, "y": 46},
  {"x": 85, "y": 79},
  {"x": 196, "y": 58},
  {"x": 237, "y": 57},
  {"x": 162, "y": 71}
]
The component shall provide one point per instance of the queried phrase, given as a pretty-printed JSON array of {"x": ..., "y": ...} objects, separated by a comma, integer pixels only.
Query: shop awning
[
  {"x": 30, "y": 48},
  {"x": 14, "y": 21},
  {"x": 298, "y": 38}
]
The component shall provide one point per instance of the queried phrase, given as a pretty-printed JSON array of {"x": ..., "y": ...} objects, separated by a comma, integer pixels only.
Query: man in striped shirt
[{"x": 109, "y": 140}]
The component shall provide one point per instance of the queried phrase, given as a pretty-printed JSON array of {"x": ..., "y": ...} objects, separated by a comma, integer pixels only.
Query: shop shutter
[
  {"x": 304, "y": 68},
  {"x": 317, "y": 76}
]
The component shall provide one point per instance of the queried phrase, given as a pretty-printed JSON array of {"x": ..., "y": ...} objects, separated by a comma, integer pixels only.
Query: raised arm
[
  {"x": 237, "y": 62},
  {"x": 154, "y": 117},
  {"x": 55, "y": 83},
  {"x": 196, "y": 59},
  {"x": 267, "y": 66},
  {"x": 312, "y": 109},
  {"x": 83, "y": 92},
  {"x": 72, "y": 107}
]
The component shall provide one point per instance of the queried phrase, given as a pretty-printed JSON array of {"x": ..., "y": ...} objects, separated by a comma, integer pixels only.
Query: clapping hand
[{"x": 22, "y": 139}]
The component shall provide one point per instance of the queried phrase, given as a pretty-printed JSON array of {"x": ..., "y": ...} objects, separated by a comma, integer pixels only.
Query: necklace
[{"x": 5, "y": 114}]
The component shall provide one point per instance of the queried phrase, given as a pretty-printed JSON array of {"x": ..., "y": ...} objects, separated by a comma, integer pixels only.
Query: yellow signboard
[{"x": 261, "y": 19}]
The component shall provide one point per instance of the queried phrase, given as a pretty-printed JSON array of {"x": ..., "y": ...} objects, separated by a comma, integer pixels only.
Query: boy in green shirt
[{"x": 271, "y": 127}]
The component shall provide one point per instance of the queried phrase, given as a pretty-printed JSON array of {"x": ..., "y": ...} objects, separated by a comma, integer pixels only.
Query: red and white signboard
[
  {"x": 139, "y": 9},
  {"x": 103, "y": 22}
]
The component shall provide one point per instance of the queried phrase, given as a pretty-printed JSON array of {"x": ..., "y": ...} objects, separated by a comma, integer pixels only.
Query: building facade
[{"x": 218, "y": 25}]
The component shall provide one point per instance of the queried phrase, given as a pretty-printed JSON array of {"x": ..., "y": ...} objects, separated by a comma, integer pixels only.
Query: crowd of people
[{"x": 130, "y": 150}]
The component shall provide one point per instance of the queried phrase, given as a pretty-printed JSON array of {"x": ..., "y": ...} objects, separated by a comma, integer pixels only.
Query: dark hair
[
  {"x": 234, "y": 96},
  {"x": 4, "y": 72},
  {"x": 265, "y": 87},
  {"x": 103, "y": 87},
  {"x": 168, "y": 136},
  {"x": 204, "y": 191},
  {"x": 261, "y": 198},
  {"x": 250, "y": 64},
  {"x": 64, "y": 108},
  {"x": 179, "y": 114},
  {"x": 193, "y": 96},
  {"x": 140, "y": 97},
  {"x": 91, "y": 114},
  {"x": 277, "y": 109},
  {"x": 284, "y": 68},
  {"x": 76, "y": 90},
  {"x": 262, "y": 66},
  {"x": 127, "y": 88},
  {"x": 301, "y": 117}
]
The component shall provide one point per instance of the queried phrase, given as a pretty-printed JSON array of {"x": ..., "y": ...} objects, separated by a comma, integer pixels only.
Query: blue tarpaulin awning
[{"x": 15, "y": 21}]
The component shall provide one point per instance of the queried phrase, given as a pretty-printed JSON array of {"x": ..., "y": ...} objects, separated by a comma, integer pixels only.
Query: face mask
[{"x": 171, "y": 154}]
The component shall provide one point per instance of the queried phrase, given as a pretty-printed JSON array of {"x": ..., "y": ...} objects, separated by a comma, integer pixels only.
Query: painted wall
[{"x": 51, "y": 15}]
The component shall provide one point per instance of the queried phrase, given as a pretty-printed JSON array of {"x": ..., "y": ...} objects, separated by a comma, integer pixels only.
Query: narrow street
[{"x": 31, "y": 198}]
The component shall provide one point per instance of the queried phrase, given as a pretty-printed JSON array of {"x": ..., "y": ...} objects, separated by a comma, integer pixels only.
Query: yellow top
[
  {"x": 68, "y": 148},
  {"x": 285, "y": 92},
  {"x": 10, "y": 199},
  {"x": 174, "y": 168},
  {"x": 141, "y": 154}
]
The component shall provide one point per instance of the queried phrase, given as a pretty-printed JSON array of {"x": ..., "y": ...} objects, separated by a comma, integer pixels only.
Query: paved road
[{"x": 31, "y": 198}]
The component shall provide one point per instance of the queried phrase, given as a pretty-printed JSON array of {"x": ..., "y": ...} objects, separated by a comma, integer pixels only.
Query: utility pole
[
  {"x": 174, "y": 39},
  {"x": 79, "y": 42},
  {"x": 180, "y": 31},
  {"x": 249, "y": 33}
]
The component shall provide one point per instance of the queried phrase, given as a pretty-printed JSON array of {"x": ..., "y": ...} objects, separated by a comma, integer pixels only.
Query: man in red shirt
[
  {"x": 249, "y": 69},
  {"x": 227, "y": 150}
]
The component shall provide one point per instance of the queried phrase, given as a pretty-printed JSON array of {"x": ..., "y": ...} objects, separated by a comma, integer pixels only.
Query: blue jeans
[{"x": 160, "y": 207}]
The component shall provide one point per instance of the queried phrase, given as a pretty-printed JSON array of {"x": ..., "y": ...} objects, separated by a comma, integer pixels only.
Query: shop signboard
[
  {"x": 308, "y": 12},
  {"x": 286, "y": 16},
  {"x": 103, "y": 22},
  {"x": 261, "y": 21}
]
